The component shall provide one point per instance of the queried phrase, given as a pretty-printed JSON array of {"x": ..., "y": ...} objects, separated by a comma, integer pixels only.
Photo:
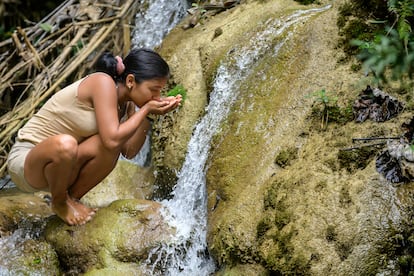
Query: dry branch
[{"x": 56, "y": 59}]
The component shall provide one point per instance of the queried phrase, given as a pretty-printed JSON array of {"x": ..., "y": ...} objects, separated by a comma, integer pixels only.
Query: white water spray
[
  {"x": 157, "y": 20},
  {"x": 187, "y": 210}
]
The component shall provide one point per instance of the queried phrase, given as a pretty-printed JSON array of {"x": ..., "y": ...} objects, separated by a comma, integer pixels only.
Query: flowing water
[
  {"x": 156, "y": 20},
  {"x": 187, "y": 210}
]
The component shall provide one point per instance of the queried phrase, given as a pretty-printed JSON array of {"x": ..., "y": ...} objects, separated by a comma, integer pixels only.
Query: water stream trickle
[
  {"x": 156, "y": 20},
  {"x": 186, "y": 210}
]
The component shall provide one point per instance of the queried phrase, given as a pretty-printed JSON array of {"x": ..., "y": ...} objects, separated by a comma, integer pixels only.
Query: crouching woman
[{"x": 74, "y": 141}]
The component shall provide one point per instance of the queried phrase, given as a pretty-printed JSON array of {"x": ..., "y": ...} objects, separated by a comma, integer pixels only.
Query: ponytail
[{"x": 107, "y": 63}]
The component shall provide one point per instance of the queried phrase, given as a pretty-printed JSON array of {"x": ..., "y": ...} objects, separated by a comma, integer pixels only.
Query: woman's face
[{"x": 147, "y": 90}]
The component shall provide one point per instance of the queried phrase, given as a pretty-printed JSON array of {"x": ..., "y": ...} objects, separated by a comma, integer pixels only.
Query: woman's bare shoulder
[
  {"x": 99, "y": 81},
  {"x": 96, "y": 84},
  {"x": 100, "y": 76}
]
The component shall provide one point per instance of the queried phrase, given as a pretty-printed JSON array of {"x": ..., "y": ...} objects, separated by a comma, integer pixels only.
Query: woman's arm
[
  {"x": 104, "y": 97},
  {"x": 105, "y": 101},
  {"x": 134, "y": 144}
]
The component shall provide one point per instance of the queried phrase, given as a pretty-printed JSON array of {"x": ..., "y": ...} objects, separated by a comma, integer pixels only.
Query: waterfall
[
  {"x": 156, "y": 20},
  {"x": 186, "y": 211}
]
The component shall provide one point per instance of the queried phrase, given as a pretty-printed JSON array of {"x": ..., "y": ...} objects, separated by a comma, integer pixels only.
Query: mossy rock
[
  {"x": 121, "y": 234},
  {"x": 35, "y": 257}
]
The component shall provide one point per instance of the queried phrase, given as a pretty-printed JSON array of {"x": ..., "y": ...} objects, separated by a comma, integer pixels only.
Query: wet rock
[
  {"x": 17, "y": 207},
  {"x": 35, "y": 257},
  {"x": 126, "y": 181},
  {"x": 119, "y": 236},
  {"x": 376, "y": 105}
]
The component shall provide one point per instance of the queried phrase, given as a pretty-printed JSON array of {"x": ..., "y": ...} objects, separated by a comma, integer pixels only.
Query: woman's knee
[{"x": 65, "y": 146}]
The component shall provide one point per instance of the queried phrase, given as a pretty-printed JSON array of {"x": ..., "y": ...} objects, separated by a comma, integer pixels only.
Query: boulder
[{"x": 120, "y": 236}]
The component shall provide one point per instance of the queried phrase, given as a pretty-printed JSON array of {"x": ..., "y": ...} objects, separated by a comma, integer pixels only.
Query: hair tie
[{"x": 120, "y": 66}]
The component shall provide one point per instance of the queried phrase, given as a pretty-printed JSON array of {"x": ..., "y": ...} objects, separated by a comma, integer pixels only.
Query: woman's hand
[{"x": 163, "y": 105}]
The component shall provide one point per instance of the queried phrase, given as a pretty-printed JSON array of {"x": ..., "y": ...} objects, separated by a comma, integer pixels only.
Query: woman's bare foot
[
  {"x": 81, "y": 207},
  {"x": 71, "y": 212}
]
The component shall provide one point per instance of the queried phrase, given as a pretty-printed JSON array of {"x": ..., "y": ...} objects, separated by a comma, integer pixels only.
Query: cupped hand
[{"x": 164, "y": 105}]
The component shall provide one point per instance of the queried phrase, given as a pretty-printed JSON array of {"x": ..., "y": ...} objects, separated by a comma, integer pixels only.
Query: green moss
[
  {"x": 321, "y": 185},
  {"x": 282, "y": 218},
  {"x": 285, "y": 157},
  {"x": 344, "y": 197},
  {"x": 264, "y": 225},
  {"x": 399, "y": 246},
  {"x": 331, "y": 235},
  {"x": 279, "y": 256},
  {"x": 325, "y": 109},
  {"x": 165, "y": 181},
  {"x": 306, "y": 2},
  {"x": 356, "y": 159},
  {"x": 343, "y": 250},
  {"x": 271, "y": 198}
]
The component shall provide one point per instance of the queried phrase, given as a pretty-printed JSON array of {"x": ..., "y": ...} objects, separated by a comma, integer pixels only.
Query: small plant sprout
[{"x": 327, "y": 101}]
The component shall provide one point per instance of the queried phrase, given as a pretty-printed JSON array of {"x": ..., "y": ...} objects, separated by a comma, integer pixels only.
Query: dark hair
[
  {"x": 107, "y": 64},
  {"x": 144, "y": 64}
]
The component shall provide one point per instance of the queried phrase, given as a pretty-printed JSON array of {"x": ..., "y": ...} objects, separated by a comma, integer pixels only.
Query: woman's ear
[{"x": 130, "y": 81}]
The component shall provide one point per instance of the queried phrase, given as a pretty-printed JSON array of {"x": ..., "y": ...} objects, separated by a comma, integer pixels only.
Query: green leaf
[{"x": 46, "y": 27}]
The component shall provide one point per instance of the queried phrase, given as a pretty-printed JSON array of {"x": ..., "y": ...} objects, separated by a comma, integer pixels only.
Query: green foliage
[
  {"x": 77, "y": 47},
  {"x": 381, "y": 36},
  {"x": 323, "y": 97},
  {"x": 178, "y": 90},
  {"x": 387, "y": 52},
  {"x": 198, "y": 7},
  {"x": 404, "y": 10}
]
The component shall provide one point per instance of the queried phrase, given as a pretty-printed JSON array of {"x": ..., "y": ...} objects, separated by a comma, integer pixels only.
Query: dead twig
[{"x": 365, "y": 145}]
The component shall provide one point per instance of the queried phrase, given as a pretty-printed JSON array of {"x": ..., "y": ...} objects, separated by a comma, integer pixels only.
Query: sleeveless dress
[{"x": 63, "y": 113}]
